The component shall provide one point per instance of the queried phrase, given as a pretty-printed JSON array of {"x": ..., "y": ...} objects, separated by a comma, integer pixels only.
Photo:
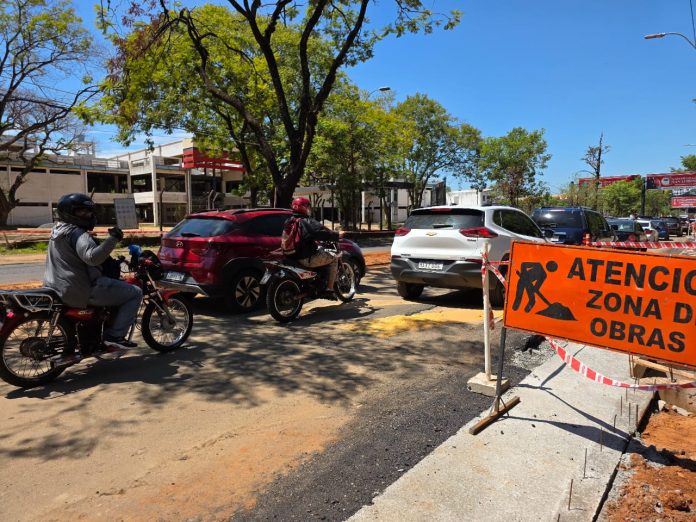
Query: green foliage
[
  {"x": 622, "y": 198},
  {"x": 268, "y": 67},
  {"x": 658, "y": 202},
  {"x": 438, "y": 143},
  {"x": 513, "y": 162},
  {"x": 44, "y": 43},
  {"x": 688, "y": 164}
]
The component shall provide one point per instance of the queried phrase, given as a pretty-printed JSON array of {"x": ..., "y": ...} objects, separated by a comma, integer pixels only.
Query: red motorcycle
[{"x": 38, "y": 330}]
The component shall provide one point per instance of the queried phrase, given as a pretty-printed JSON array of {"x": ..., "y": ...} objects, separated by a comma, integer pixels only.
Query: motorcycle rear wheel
[
  {"x": 345, "y": 282},
  {"x": 284, "y": 300},
  {"x": 159, "y": 332},
  {"x": 25, "y": 354}
]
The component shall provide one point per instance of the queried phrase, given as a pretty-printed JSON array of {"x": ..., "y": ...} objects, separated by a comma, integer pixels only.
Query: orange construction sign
[{"x": 640, "y": 303}]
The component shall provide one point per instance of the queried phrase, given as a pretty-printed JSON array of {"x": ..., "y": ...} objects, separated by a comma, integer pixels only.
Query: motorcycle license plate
[
  {"x": 174, "y": 276},
  {"x": 423, "y": 265},
  {"x": 265, "y": 278}
]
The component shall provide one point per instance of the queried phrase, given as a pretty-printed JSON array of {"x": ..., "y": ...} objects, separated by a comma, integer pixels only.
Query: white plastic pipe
[{"x": 486, "y": 315}]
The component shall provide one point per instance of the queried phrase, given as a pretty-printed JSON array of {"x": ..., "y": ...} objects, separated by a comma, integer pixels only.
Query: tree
[
  {"x": 513, "y": 162},
  {"x": 42, "y": 42},
  {"x": 350, "y": 148},
  {"x": 593, "y": 159},
  {"x": 622, "y": 198},
  {"x": 297, "y": 74},
  {"x": 438, "y": 144},
  {"x": 688, "y": 164},
  {"x": 658, "y": 202}
]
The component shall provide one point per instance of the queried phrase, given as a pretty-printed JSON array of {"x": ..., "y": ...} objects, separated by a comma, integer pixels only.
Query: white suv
[{"x": 441, "y": 247}]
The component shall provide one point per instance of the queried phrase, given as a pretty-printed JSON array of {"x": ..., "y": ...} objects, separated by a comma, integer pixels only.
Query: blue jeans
[{"x": 116, "y": 293}]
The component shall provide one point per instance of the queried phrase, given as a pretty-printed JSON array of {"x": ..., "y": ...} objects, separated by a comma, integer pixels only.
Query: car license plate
[
  {"x": 424, "y": 265},
  {"x": 174, "y": 276}
]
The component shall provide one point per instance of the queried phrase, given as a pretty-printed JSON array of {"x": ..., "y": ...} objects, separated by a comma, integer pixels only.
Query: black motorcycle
[{"x": 290, "y": 285}]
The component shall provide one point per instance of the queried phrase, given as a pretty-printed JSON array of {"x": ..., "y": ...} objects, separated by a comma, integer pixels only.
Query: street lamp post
[
  {"x": 662, "y": 35},
  {"x": 384, "y": 88}
]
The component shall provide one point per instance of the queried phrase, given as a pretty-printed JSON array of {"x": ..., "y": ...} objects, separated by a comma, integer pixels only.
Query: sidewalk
[{"x": 521, "y": 467}]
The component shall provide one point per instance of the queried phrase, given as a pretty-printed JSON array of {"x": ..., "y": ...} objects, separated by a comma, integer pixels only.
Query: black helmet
[{"x": 70, "y": 204}]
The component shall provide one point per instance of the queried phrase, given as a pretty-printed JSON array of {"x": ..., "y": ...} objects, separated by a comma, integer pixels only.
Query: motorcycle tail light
[{"x": 482, "y": 232}]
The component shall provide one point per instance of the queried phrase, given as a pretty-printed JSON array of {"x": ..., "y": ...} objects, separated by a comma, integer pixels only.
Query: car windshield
[
  {"x": 557, "y": 218},
  {"x": 623, "y": 226},
  {"x": 445, "y": 218},
  {"x": 202, "y": 227}
]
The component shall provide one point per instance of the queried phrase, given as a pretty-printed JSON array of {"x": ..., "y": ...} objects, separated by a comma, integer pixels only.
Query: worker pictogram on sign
[
  {"x": 641, "y": 303},
  {"x": 531, "y": 277}
]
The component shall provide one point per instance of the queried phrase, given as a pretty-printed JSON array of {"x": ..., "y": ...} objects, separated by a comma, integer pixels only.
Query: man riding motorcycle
[
  {"x": 74, "y": 269},
  {"x": 308, "y": 253}
]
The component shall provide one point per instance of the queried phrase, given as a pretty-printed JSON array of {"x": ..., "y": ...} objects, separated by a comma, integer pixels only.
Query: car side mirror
[{"x": 548, "y": 233}]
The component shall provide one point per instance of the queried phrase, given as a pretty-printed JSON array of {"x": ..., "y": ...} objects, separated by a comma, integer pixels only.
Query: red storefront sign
[
  {"x": 683, "y": 201},
  {"x": 195, "y": 159},
  {"x": 671, "y": 181},
  {"x": 606, "y": 181}
]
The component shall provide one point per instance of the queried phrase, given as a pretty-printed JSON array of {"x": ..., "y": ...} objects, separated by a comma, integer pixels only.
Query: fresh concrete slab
[
  {"x": 480, "y": 383},
  {"x": 521, "y": 467}
]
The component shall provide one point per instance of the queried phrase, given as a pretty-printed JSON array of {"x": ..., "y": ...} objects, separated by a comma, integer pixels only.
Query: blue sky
[{"x": 576, "y": 68}]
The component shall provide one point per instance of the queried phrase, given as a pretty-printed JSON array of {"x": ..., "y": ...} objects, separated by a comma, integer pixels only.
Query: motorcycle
[
  {"x": 39, "y": 333},
  {"x": 290, "y": 285}
]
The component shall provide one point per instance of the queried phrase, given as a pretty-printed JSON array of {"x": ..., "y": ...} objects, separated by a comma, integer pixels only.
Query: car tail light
[
  {"x": 170, "y": 243},
  {"x": 478, "y": 232},
  {"x": 401, "y": 231},
  {"x": 632, "y": 237}
]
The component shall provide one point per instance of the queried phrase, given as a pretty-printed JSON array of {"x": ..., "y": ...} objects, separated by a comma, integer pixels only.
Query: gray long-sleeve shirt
[{"x": 71, "y": 271}]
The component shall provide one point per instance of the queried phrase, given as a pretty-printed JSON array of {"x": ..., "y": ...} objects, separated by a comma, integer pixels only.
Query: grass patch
[{"x": 39, "y": 247}]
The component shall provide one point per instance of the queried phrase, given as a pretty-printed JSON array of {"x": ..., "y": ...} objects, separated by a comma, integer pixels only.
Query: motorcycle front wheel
[
  {"x": 284, "y": 300},
  {"x": 345, "y": 282},
  {"x": 25, "y": 352},
  {"x": 162, "y": 333}
]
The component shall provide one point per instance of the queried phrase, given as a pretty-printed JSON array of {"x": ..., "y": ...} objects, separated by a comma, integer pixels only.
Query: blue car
[
  {"x": 662, "y": 229},
  {"x": 570, "y": 225}
]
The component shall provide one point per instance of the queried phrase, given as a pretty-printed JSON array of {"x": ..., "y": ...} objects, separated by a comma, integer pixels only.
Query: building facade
[{"x": 166, "y": 183}]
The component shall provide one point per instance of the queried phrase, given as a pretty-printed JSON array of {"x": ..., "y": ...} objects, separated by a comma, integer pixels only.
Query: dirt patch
[
  {"x": 377, "y": 258},
  {"x": 22, "y": 286},
  {"x": 661, "y": 475}
]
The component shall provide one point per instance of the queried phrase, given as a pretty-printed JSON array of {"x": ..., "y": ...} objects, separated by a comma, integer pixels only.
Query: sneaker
[{"x": 118, "y": 344}]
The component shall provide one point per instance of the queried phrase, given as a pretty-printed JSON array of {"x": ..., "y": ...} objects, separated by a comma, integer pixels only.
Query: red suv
[{"x": 221, "y": 253}]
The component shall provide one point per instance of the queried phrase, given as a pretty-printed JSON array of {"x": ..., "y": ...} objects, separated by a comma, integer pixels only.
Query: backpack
[{"x": 292, "y": 236}]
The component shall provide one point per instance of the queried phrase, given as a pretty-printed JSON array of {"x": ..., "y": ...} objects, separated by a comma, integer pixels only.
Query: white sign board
[{"x": 126, "y": 215}]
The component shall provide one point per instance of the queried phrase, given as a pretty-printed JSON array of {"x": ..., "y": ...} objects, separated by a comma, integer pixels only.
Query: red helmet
[{"x": 301, "y": 206}]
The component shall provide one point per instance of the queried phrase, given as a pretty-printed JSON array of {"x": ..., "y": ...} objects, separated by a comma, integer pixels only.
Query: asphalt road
[
  {"x": 20, "y": 273},
  {"x": 251, "y": 420}
]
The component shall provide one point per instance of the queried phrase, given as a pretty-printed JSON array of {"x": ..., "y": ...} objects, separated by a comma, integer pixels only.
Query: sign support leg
[{"x": 496, "y": 410}]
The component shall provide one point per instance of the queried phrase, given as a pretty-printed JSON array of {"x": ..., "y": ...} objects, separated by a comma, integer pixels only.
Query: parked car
[
  {"x": 673, "y": 225},
  {"x": 662, "y": 229},
  {"x": 570, "y": 225},
  {"x": 650, "y": 232},
  {"x": 628, "y": 230},
  {"x": 441, "y": 247},
  {"x": 222, "y": 253}
]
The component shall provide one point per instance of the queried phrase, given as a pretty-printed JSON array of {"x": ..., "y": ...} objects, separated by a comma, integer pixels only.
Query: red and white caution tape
[
  {"x": 645, "y": 244},
  {"x": 571, "y": 361},
  {"x": 595, "y": 376}
]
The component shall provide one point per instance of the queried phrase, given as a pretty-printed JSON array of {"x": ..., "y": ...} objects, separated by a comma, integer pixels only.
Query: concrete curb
[{"x": 521, "y": 467}]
